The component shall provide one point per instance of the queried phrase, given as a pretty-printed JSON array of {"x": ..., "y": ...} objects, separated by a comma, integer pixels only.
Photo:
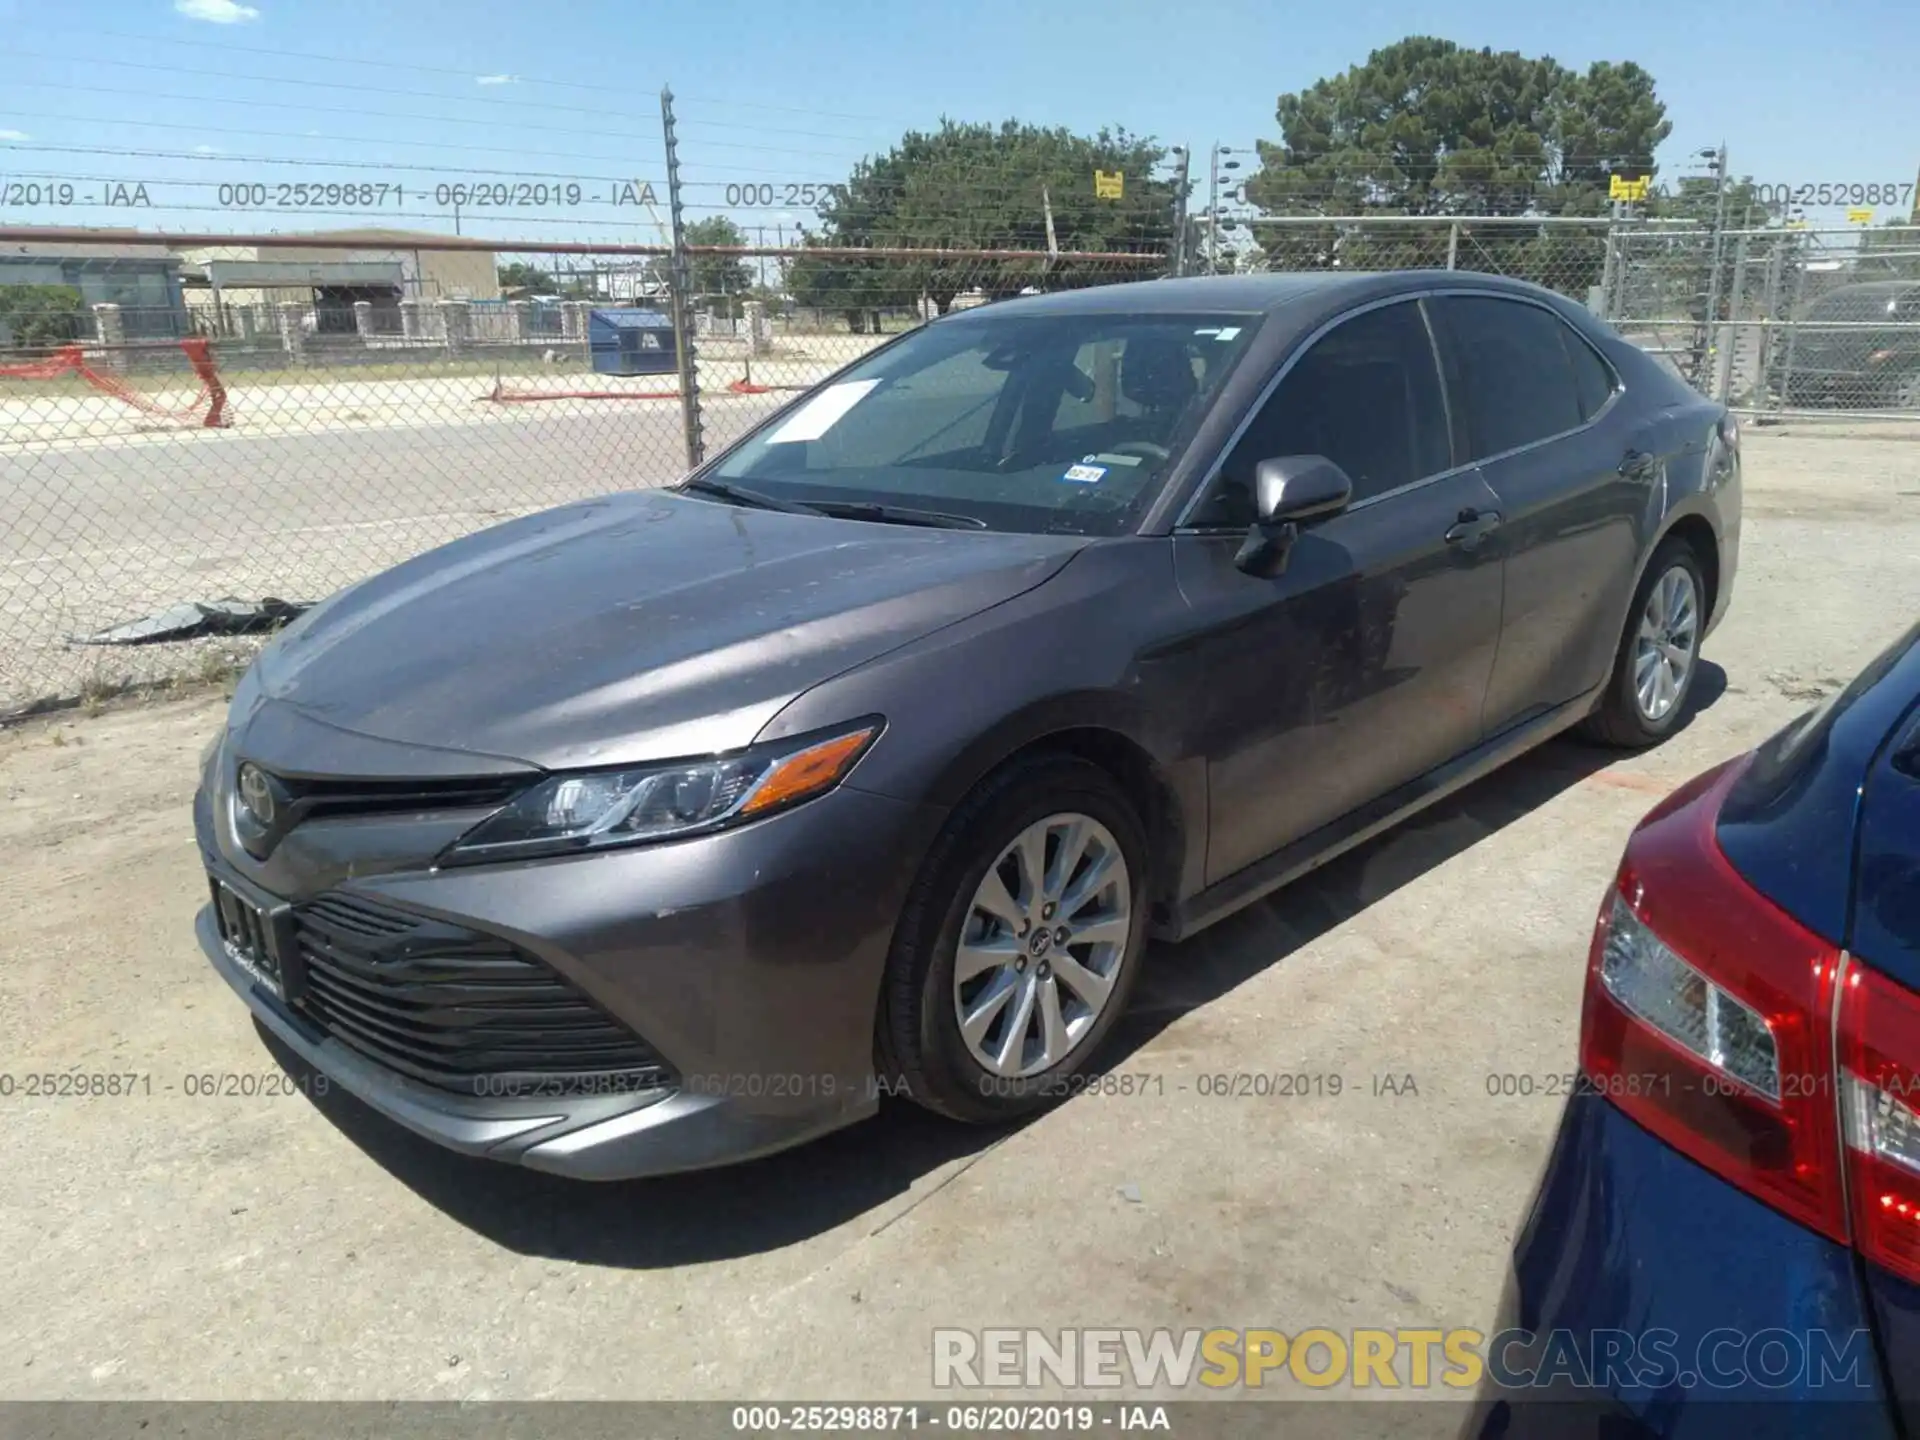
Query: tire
[
  {"x": 1621, "y": 718},
  {"x": 921, "y": 1050}
]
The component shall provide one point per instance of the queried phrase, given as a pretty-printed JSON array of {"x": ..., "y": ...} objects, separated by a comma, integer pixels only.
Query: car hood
[{"x": 630, "y": 628}]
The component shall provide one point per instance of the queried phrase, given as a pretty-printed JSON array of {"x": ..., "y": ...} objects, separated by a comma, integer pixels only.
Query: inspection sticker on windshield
[
  {"x": 1085, "y": 474},
  {"x": 822, "y": 412}
]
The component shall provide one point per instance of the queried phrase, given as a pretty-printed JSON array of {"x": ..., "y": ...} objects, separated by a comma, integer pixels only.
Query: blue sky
[{"x": 418, "y": 94}]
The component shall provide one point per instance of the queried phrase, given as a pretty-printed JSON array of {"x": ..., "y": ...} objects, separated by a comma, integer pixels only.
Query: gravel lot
[{"x": 172, "y": 1246}]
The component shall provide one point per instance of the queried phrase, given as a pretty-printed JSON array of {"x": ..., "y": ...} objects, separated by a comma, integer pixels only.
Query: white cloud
[
  {"x": 208, "y": 150},
  {"x": 216, "y": 12},
  {"x": 14, "y": 135},
  {"x": 496, "y": 79}
]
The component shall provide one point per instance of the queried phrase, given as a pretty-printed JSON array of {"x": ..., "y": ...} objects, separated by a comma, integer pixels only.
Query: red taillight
[
  {"x": 1708, "y": 1015},
  {"x": 1880, "y": 1088}
]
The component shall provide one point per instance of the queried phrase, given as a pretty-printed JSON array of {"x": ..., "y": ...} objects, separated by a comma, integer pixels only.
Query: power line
[
  {"x": 317, "y": 109},
  {"x": 625, "y": 91},
  {"x": 223, "y": 158},
  {"x": 457, "y": 145},
  {"x": 414, "y": 94},
  {"x": 92, "y": 61},
  {"x": 204, "y": 129},
  {"x": 410, "y": 116}
]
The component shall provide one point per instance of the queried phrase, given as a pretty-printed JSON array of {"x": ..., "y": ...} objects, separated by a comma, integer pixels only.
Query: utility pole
[
  {"x": 681, "y": 288},
  {"x": 1718, "y": 160},
  {"x": 1180, "y": 211},
  {"x": 1213, "y": 210},
  {"x": 1213, "y": 201}
]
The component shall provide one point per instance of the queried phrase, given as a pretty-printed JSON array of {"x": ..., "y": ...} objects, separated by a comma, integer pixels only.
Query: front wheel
[
  {"x": 1020, "y": 943},
  {"x": 1646, "y": 696}
]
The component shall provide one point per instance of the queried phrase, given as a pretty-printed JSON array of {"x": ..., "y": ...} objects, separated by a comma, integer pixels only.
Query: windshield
[{"x": 1022, "y": 422}]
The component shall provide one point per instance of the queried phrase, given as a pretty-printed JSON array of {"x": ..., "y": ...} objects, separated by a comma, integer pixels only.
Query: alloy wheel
[
  {"x": 1042, "y": 944},
  {"x": 1667, "y": 643}
]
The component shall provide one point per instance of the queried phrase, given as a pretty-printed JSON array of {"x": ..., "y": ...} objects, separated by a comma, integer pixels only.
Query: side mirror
[
  {"x": 1299, "y": 487},
  {"x": 1289, "y": 491}
]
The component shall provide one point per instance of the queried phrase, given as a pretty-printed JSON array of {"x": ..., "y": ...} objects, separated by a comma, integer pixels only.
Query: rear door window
[
  {"x": 1592, "y": 376},
  {"x": 1517, "y": 377}
]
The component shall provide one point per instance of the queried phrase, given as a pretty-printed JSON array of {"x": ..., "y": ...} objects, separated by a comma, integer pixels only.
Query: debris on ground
[{"x": 194, "y": 618}]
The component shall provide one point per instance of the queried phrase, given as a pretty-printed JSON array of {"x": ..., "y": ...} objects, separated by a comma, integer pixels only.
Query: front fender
[{"x": 1085, "y": 652}]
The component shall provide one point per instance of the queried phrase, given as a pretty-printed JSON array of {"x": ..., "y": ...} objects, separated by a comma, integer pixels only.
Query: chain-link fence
[
  {"x": 295, "y": 416},
  {"x": 192, "y": 425},
  {"x": 1568, "y": 255},
  {"x": 1818, "y": 323}
]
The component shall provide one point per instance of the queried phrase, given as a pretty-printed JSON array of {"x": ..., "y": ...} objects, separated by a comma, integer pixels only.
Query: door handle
[
  {"x": 1638, "y": 465},
  {"x": 1472, "y": 526}
]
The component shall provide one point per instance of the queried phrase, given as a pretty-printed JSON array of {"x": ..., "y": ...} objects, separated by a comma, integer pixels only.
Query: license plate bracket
[{"x": 256, "y": 938}]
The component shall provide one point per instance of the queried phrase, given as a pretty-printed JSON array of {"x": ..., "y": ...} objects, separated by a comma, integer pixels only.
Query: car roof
[{"x": 1243, "y": 294}]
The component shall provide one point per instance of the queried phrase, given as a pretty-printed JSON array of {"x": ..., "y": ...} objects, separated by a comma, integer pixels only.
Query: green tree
[
  {"x": 519, "y": 275},
  {"x": 40, "y": 317},
  {"x": 720, "y": 281},
  {"x": 1426, "y": 127},
  {"x": 972, "y": 187}
]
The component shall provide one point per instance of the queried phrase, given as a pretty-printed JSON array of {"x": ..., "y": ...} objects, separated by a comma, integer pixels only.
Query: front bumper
[
  {"x": 1629, "y": 1241},
  {"x": 750, "y": 960}
]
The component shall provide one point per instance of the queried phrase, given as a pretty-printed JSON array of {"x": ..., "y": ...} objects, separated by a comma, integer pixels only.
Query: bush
[{"x": 41, "y": 317}]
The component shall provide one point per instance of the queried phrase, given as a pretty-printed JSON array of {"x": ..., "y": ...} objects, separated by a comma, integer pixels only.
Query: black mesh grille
[
  {"x": 316, "y": 799},
  {"x": 457, "y": 1009}
]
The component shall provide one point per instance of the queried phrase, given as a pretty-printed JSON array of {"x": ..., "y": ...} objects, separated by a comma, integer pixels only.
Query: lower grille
[{"x": 457, "y": 1009}]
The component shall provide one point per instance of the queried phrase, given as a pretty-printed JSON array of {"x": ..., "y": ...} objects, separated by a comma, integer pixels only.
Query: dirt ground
[{"x": 169, "y": 1244}]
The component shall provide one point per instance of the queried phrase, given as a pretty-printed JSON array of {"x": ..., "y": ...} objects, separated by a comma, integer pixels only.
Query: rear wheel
[
  {"x": 1653, "y": 673},
  {"x": 1020, "y": 943}
]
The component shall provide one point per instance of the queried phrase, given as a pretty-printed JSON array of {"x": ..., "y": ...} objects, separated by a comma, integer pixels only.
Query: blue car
[{"x": 1726, "y": 1239}]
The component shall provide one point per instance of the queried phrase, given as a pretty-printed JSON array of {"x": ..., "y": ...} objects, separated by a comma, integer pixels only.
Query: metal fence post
[
  {"x": 1729, "y": 332},
  {"x": 1609, "y": 268},
  {"x": 680, "y": 286},
  {"x": 1453, "y": 245},
  {"x": 1770, "y": 312},
  {"x": 1793, "y": 331}
]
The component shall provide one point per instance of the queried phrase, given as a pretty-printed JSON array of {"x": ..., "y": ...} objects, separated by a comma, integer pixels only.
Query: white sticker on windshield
[
  {"x": 822, "y": 412},
  {"x": 1085, "y": 474}
]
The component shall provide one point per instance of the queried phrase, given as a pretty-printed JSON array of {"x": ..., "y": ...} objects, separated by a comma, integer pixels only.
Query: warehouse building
[
  {"x": 144, "y": 280},
  {"x": 234, "y": 287}
]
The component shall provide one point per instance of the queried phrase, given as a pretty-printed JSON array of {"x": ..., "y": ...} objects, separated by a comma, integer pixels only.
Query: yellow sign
[
  {"x": 1620, "y": 187},
  {"x": 1108, "y": 184},
  {"x": 1859, "y": 215}
]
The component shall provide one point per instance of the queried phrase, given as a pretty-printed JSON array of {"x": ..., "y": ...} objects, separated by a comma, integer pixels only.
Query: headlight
[{"x": 591, "y": 810}]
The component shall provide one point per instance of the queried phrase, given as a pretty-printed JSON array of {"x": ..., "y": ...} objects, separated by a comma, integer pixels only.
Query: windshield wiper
[
  {"x": 740, "y": 495},
  {"x": 834, "y": 509},
  {"x": 895, "y": 515}
]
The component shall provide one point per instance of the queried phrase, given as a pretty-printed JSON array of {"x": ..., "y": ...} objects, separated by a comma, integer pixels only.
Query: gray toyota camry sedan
[{"x": 671, "y": 828}]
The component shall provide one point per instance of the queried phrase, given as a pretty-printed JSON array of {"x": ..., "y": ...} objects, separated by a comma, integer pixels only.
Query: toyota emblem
[{"x": 256, "y": 795}]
